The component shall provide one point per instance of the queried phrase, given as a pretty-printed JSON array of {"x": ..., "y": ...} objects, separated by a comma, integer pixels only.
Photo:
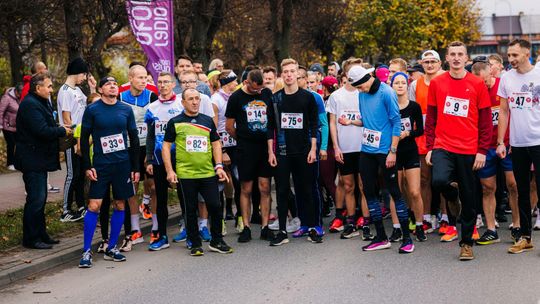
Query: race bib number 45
[
  {"x": 456, "y": 106},
  {"x": 112, "y": 143},
  {"x": 371, "y": 138},
  {"x": 196, "y": 144},
  {"x": 292, "y": 120}
]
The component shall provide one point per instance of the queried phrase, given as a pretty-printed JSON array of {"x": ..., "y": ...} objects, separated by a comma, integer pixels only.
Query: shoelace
[{"x": 87, "y": 255}]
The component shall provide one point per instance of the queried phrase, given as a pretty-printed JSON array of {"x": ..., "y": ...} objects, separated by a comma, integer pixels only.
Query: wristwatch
[{"x": 393, "y": 149}]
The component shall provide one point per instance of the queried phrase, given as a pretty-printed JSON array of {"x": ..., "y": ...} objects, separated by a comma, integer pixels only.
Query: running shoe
[
  {"x": 154, "y": 236},
  {"x": 443, "y": 227},
  {"x": 515, "y": 233},
  {"x": 349, "y": 232},
  {"x": 239, "y": 224},
  {"x": 293, "y": 225},
  {"x": 434, "y": 222},
  {"x": 103, "y": 246},
  {"x": 314, "y": 236},
  {"x": 280, "y": 239},
  {"x": 53, "y": 189},
  {"x": 127, "y": 244},
  {"x": 189, "y": 244},
  {"x": 466, "y": 253},
  {"x": 161, "y": 243},
  {"x": 537, "y": 224},
  {"x": 427, "y": 227},
  {"x": 420, "y": 233},
  {"x": 219, "y": 246},
  {"x": 274, "y": 226},
  {"x": 114, "y": 255},
  {"x": 360, "y": 222},
  {"x": 479, "y": 221},
  {"x": 407, "y": 246},
  {"x": 70, "y": 216},
  {"x": 377, "y": 244},
  {"x": 507, "y": 209},
  {"x": 145, "y": 211},
  {"x": 196, "y": 251},
  {"x": 245, "y": 235},
  {"x": 205, "y": 234},
  {"x": 522, "y": 245},
  {"x": 136, "y": 237},
  {"x": 336, "y": 225},
  {"x": 181, "y": 236},
  {"x": 396, "y": 236},
  {"x": 366, "y": 233},
  {"x": 303, "y": 231},
  {"x": 266, "y": 235},
  {"x": 82, "y": 212},
  {"x": 475, "y": 235},
  {"x": 489, "y": 237},
  {"x": 86, "y": 260},
  {"x": 450, "y": 235}
]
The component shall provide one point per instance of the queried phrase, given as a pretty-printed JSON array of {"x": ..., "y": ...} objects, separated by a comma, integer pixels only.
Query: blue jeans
[{"x": 35, "y": 184}]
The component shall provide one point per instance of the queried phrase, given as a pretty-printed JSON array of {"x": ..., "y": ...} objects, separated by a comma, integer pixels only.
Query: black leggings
[
  {"x": 104, "y": 214},
  {"x": 208, "y": 188},
  {"x": 522, "y": 158},
  {"x": 162, "y": 196},
  {"x": 10, "y": 147}
]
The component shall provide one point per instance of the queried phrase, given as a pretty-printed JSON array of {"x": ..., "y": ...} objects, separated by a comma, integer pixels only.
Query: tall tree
[
  {"x": 74, "y": 33},
  {"x": 281, "y": 13}
]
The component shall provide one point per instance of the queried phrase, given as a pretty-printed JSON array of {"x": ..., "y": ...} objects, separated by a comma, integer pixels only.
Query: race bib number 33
[
  {"x": 292, "y": 120},
  {"x": 112, "y": 143},
  {"x": 196, "y": 144}
]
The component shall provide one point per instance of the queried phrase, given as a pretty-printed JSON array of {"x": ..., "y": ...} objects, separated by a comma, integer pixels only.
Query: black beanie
[{"x": 77, "y": 66}]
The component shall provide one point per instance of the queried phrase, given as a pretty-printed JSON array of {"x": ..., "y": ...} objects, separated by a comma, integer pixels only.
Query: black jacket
[{"x": 36, "y": 143}]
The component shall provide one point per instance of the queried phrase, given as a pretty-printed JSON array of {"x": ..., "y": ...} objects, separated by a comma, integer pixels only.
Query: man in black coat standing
[{"x": 36, "y": 153}]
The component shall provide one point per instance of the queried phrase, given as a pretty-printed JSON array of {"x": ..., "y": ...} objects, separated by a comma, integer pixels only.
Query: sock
[
  {"x": 339, "y": 213},
  {"x": 419, "y": 223},
  {"x": 444, "y": 217},
  {"x": 135, "y": 222},
  {"x": 146, "y": 199},
  {"x": 427, "y": 217},
  {"x": 397, "y": 226},
  {"x": 154, "y": 222},
  {"x": 203, "y": 223},
  {"x": 90, "y": 223},
  {"x": 117, "y": 220},
  {"x": 350, "y": 219},
  {"x": 406, "y": 232}
]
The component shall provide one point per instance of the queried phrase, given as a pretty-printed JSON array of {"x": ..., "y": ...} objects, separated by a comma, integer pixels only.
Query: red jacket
[{"x": 26, "y": 86}]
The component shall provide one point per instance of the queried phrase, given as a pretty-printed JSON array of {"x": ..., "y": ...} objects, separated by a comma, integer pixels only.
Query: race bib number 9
[
  {"x": 256, "y": 114},
  {"x": 142, "y": 129},
  {"x": 521, "y": 100},
  {"x": 495, "y": 115},
  {"x": 456, "y": 106},
  {"x": 406, "y": 124},
  {"x": 160, "y": 127},
  {"x": 350, "y": 115},
  {"x": 371, "y": 138},
  {"x": 292, "y": 120},
  {"x": 197, "y": 144},
  {"x": 112, "y": 143},
  {"x": 227, "y": 139}
]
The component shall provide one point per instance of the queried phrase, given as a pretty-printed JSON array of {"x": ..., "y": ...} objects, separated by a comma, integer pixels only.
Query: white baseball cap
[
  {"x": 358, "y": 75},
  {"x": 431, "y": 53}
]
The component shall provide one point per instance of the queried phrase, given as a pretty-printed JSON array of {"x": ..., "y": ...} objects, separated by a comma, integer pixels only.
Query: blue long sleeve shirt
[{"x": 323, "y": 122}]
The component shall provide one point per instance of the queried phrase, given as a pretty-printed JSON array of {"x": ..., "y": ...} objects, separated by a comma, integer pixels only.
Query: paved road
[{"x": 299, "y": 272}]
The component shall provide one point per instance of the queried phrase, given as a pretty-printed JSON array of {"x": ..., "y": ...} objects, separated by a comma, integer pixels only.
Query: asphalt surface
[{"x": 336, "y": 271}]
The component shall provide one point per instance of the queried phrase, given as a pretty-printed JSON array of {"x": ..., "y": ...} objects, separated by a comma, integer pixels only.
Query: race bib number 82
[{"x": 196, "y": 144}]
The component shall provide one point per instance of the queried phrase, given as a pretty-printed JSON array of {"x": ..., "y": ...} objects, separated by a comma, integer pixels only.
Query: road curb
[{"x": 64, "y": 256}]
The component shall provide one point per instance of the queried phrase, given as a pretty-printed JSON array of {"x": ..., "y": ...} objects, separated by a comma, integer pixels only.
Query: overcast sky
[{"x": 501, "y": 7}]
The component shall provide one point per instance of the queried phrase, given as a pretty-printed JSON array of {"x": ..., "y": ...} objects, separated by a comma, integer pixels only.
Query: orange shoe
[
  {"x": 475, "y": 234},
  {"x": 136, "y": 237},
  {"x": 336, "y": 226},
  {"x": 145, "y": 211},
  {"x": 154, "y": 236},
  {"x": 450, "y": 235},
  {"x": 443, "y": 227}
]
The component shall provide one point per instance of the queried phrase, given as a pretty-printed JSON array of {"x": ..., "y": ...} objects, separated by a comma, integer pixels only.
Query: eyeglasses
[
  {"x": 160, "y": 82},
  {"x": 189, "y": 82}
]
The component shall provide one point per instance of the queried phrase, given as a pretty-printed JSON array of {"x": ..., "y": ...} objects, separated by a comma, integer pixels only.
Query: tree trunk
[
  {"x": 276, "y": 33},
  {"x": 15, "y": 57},
  {"x": 286, "y": 17},
  {"x": 215, "y": 24},
  {"x": 199, "y": 29},
  {"x": 74, "y": 36}
]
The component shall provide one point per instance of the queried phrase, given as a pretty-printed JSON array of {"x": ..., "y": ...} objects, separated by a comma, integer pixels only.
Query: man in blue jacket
[{"x": 36, "y": 153}]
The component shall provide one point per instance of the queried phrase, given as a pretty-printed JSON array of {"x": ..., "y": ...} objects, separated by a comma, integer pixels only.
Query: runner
[
  {"x": 197, "y": 146},
  {"x": 184, "y": 64},
  {"x": 519, "y": 91},
  {"x": 458, "y": 132},
  {"x": 396, "y": 65},
  {"x": 110, "y": 123},
  {"x": 270, "y": 77}
]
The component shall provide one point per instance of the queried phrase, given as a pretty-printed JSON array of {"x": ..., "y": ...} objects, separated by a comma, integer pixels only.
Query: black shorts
[
  {"x": 118, "y": 176},
  {"x": 252, "y": 160},
  {"x": 142, "y": 164},
  {"x": 350, "y": 164},
  {"x": 408, "y": 159}
]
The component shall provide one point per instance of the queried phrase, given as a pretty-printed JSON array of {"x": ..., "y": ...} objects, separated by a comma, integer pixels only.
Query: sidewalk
[{"x": 12, "y": 188}]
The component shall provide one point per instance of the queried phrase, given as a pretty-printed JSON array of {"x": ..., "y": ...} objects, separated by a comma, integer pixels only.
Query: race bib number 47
[
  {"x": 521, "y": 100},
  {"x": 292, "y": 120},
  {"x": 112, "y": 143},
  {"x": 197, "y": 144},
  {"x": 371, "y": 138},
  {"x": 456, "y": 106}
]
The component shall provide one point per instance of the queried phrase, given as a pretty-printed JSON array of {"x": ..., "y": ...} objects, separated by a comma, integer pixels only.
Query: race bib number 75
[{"x": 292, "y": 120}]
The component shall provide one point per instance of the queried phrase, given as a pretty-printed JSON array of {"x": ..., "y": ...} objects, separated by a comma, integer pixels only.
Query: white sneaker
[
  {"x": 537, "y": 224},
  {"x": 496, "y": 224},
  {"x": 274, "y": 226},
  {"x": 479, "y": 222},
  {"x": 11, "y": 168},
  {"x": 293, "y": 225},
  {"x": 510, "y": 226},
  {"x": 434, "y": 222}
]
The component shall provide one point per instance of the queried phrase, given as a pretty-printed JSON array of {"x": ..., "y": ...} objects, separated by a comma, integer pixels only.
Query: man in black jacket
[{"x": 36, "y": 153}]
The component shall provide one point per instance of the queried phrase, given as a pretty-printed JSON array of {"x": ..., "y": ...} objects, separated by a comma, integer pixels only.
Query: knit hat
[
  {"x": 330, "y": 82},
  {"x": 77, "y": 66},
  {"x": 382, "y": 73}
]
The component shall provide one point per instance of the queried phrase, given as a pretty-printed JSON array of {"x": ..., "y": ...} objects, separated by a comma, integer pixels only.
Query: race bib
[
  {"x": 350, "y": 115},
  {"x": 112, "y": 143},
  {"x": 371, "y": 138},
  {"x": 406, "y": 124},
  {"x": 292, "y": 120},
  {"x": 196, "y": 143},
  {"x": 521, "y": 100},
  {"x": 495, "y": 115},
  {"x": 160, "y": 127},
  {"x": 456, "y": 106},
  {"x": 142, "y": 129},
  {"x": 256, "y": 114},
  {"x": 227, "y": 139}
]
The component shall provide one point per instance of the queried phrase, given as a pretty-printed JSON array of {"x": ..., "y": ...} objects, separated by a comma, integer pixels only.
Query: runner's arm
[
  {"x": 230, "y": 128},
  {"x": 503, "y": 120}
]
